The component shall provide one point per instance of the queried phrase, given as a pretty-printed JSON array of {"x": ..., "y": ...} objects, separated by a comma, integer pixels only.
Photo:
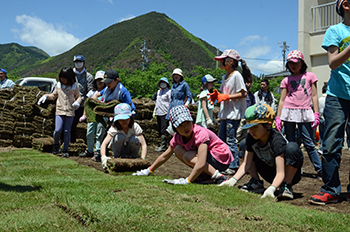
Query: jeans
[
  {"x": 336, "y": 114},
  {"x": 321, "y": 129},
  {"x": 95, "y": 129},
  {"x": 306, "y": 133},
  {"x": 62, "y": 123},
  {"x": 227, "y": 133}
]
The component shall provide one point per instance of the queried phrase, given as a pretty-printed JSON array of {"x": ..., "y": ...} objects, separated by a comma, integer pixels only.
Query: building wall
[{"x": 310, "y": 41}]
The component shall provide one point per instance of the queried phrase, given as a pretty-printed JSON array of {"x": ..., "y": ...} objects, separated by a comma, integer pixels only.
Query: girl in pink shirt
[
  {"x": 196, "y": 147},
  {"x": 294, "y": 108}
]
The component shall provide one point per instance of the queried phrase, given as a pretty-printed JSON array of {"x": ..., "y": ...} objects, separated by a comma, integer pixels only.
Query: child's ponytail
[{"x": 246, "y": 73}]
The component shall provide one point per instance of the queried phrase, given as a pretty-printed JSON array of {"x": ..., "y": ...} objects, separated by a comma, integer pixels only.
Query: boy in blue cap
[
  {"x": 4, "y": 81},
  {"x": 269, "y": 154}
]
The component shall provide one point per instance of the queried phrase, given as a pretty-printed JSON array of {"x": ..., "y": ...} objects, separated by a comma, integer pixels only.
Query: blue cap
[
  {"x": 165, "y": 80},
  {"x": 3, "y": 70},
  {"x": 208, "y": 78},
  {"x": 78, "y": 57}
]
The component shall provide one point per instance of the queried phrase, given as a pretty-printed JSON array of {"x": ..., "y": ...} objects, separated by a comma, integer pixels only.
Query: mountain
[
  {"x": 14, "y": 57},
  {"x": 118, "y": 46}
]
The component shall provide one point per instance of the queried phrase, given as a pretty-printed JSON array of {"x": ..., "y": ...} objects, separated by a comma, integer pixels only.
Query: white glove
[
  {"x": 209, "y": 122},
  {"x": 231, "y": 182},
  {"x": 82, "y": 118},
  {"x": 144, "y": 172},
  {"x": 104, "y": 159},
  {"x": 269, "y": 192},
  {"x": 177, "y": 181},
  {"x": 42, "y": 99},
  {"x": 76, "y": 105}
]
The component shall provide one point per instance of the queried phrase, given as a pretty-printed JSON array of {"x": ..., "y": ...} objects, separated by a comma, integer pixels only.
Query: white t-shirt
[
  {"x": 232, "y": 109},
  {"x": 135, "y": 130}
]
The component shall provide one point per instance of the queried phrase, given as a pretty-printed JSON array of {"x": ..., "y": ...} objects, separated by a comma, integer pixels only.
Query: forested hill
[
  {"x": 118, "y": 46},
  {"x": 14, "y": 57}
]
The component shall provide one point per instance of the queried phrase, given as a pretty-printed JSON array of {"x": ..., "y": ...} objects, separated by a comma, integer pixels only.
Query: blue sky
[{"x": 254, "y": 28}]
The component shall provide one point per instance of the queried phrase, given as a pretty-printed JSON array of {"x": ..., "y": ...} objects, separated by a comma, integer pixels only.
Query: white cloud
[
  {"x": 44, "y": 35},
  {"x": 271, "y": 66},
  {"x": 128, "y": 17},
  {"x": 252, "y": 38}
]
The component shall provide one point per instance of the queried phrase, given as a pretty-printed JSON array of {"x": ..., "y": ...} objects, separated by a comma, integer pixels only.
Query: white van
[{"x": 43, "y": 83}]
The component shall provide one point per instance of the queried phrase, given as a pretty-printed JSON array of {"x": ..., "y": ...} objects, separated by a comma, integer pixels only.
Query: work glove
[
  {"x": 76, "y": 105},
  {"x": 212, "y": 97},
  {"x": 210, "y": 123},
  {"x": 269, "y": 192},
  {"x": 177, "y": 181},
  {"x": 144, "y": 172},
  {"x": 278, "y": 124},
  {"x": 223, "y": 97},
  {"x": 42, "y": 99},
  {"x": 104, "y": 161},
  {"x": 316, "y": 122},
  {"x": 231, "y": 182},
  {"x": 82, "y": 118}
]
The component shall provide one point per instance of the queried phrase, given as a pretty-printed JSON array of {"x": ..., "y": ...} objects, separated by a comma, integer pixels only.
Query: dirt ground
[{"x": 308, "y": 186}]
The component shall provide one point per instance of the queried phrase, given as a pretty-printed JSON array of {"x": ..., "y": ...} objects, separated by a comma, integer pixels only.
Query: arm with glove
[
  {"x": 225, "y": 97},
  {"x": 78, "y": 99},
  {"x": 103, "y": 151},
  {"x": 277, "y": 181}
]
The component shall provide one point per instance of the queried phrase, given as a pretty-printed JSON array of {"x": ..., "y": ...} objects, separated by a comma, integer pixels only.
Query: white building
[{"x": 315, "y": 16}]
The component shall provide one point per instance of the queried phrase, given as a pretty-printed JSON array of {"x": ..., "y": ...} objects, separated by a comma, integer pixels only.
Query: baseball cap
[
  {"x": 110, "y": 75},
  {"x": 3, "y": 70},
  {"x": 99, "y": 74},
  {"x": 338, "y": 6},
  {"x": 208, "y": 78},
  {"x": 177, "y": 71},
  {"x": 78, "y": 57},
  {"x": 295, "y": 56},
  {"x": 179, "y": 114},
  {"x": 122, "y": 111},
  {"x": 260, "y": 113},
  {"x": 229, "y": 53}
]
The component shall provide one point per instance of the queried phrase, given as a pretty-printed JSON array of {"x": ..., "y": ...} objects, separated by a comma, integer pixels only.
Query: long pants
[
  {"x": 62, "y": 123},
  {"x": 73, "y": 134},
  {"x": 95, "y": 129},
  {"x": 123, "y": 148}
]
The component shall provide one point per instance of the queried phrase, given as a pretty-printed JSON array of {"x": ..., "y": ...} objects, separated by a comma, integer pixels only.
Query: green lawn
[{"x": 43, "y": 192}]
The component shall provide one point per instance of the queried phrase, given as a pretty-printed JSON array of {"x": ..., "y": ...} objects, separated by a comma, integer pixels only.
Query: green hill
[
  {"x": 14, "y": 57},
  {"x": 118, "y": 46}
]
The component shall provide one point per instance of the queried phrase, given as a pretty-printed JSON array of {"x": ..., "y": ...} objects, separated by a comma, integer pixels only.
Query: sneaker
[
  {"x": 229, "y": 171},
  {"x": 254, "y": 185},
  {"x": 323, "y": 198},
  {"x": 221, "y": 179},
  {"x": 55, "y": 149},
  {"x": 86, "y": 154},
  {"x": 65, "y": 154},
  {"x": 96, "y": 158},
  {"x": 286, "y": 192}
]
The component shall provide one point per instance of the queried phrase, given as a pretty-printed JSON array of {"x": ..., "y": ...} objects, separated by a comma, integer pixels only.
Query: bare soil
[{"x": 308, "y": 186}]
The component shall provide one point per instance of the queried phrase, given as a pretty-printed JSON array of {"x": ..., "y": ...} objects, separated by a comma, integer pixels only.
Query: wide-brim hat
[
  {"x": 165, "y": 80},
  {"x": 122, "y": 111},
  {"x": 177, "y": 71}
]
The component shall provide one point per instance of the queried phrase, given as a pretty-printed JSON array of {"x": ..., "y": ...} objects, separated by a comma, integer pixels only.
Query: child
[
  {"x": 94, "y": 128},
  {"x": 196, "y": 147},
  {"x": 232, "y": 102},
  {"x": 124, "y": 136},
  {"x": 68, "y": 101},
  {"x": 205, "y": 108},
  {"x": 294, "y": 107},
  {"x": 162, "y": 98},
  {"x": 337, "y": 107},
  {"x": 269, "y": 155}
]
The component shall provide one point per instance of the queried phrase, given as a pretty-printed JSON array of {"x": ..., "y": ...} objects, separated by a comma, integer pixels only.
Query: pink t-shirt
[
  {"x": 299, "y": 90},
  {"x": 217, "y": 148}
]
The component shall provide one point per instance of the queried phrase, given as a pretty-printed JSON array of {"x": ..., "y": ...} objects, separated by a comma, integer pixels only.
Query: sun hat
[
  {"x": 110, "y": 75},
  {"x": 3, "y": 70},
  {"x": 78, "y": 57},
  {"x": 99, "y": 74},
  {"x": 122, "y": 111},
  {"x": 165, "y": 80},
  {"x": 260, "y": 113},
  {"x": 229, "y": 53},
  {"x": 177, "y": 71},
  {"x": 338, "y": 6},
  {"x": 179, "y": 114},
  {"x": 208, "y": 78},
  {"x": 295, "y": 56}
]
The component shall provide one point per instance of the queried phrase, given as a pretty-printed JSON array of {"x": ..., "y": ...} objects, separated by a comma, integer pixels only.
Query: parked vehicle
[{"x": 43, "y": 83}]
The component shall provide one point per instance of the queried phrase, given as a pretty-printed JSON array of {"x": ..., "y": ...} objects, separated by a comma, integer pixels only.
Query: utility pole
[
  {"x": 143, "y": 50},
  {"x": 285, "y": 48}
]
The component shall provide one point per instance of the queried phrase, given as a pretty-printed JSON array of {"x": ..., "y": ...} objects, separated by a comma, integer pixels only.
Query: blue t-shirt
[
  {"x": 120, "y": 93},
  {"x": 339, "y": 82}
]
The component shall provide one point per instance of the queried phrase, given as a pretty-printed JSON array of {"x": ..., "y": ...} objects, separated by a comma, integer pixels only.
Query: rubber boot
[
  {"x": 55, "y": 149},
  {"x": 163, "y": 144}
]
